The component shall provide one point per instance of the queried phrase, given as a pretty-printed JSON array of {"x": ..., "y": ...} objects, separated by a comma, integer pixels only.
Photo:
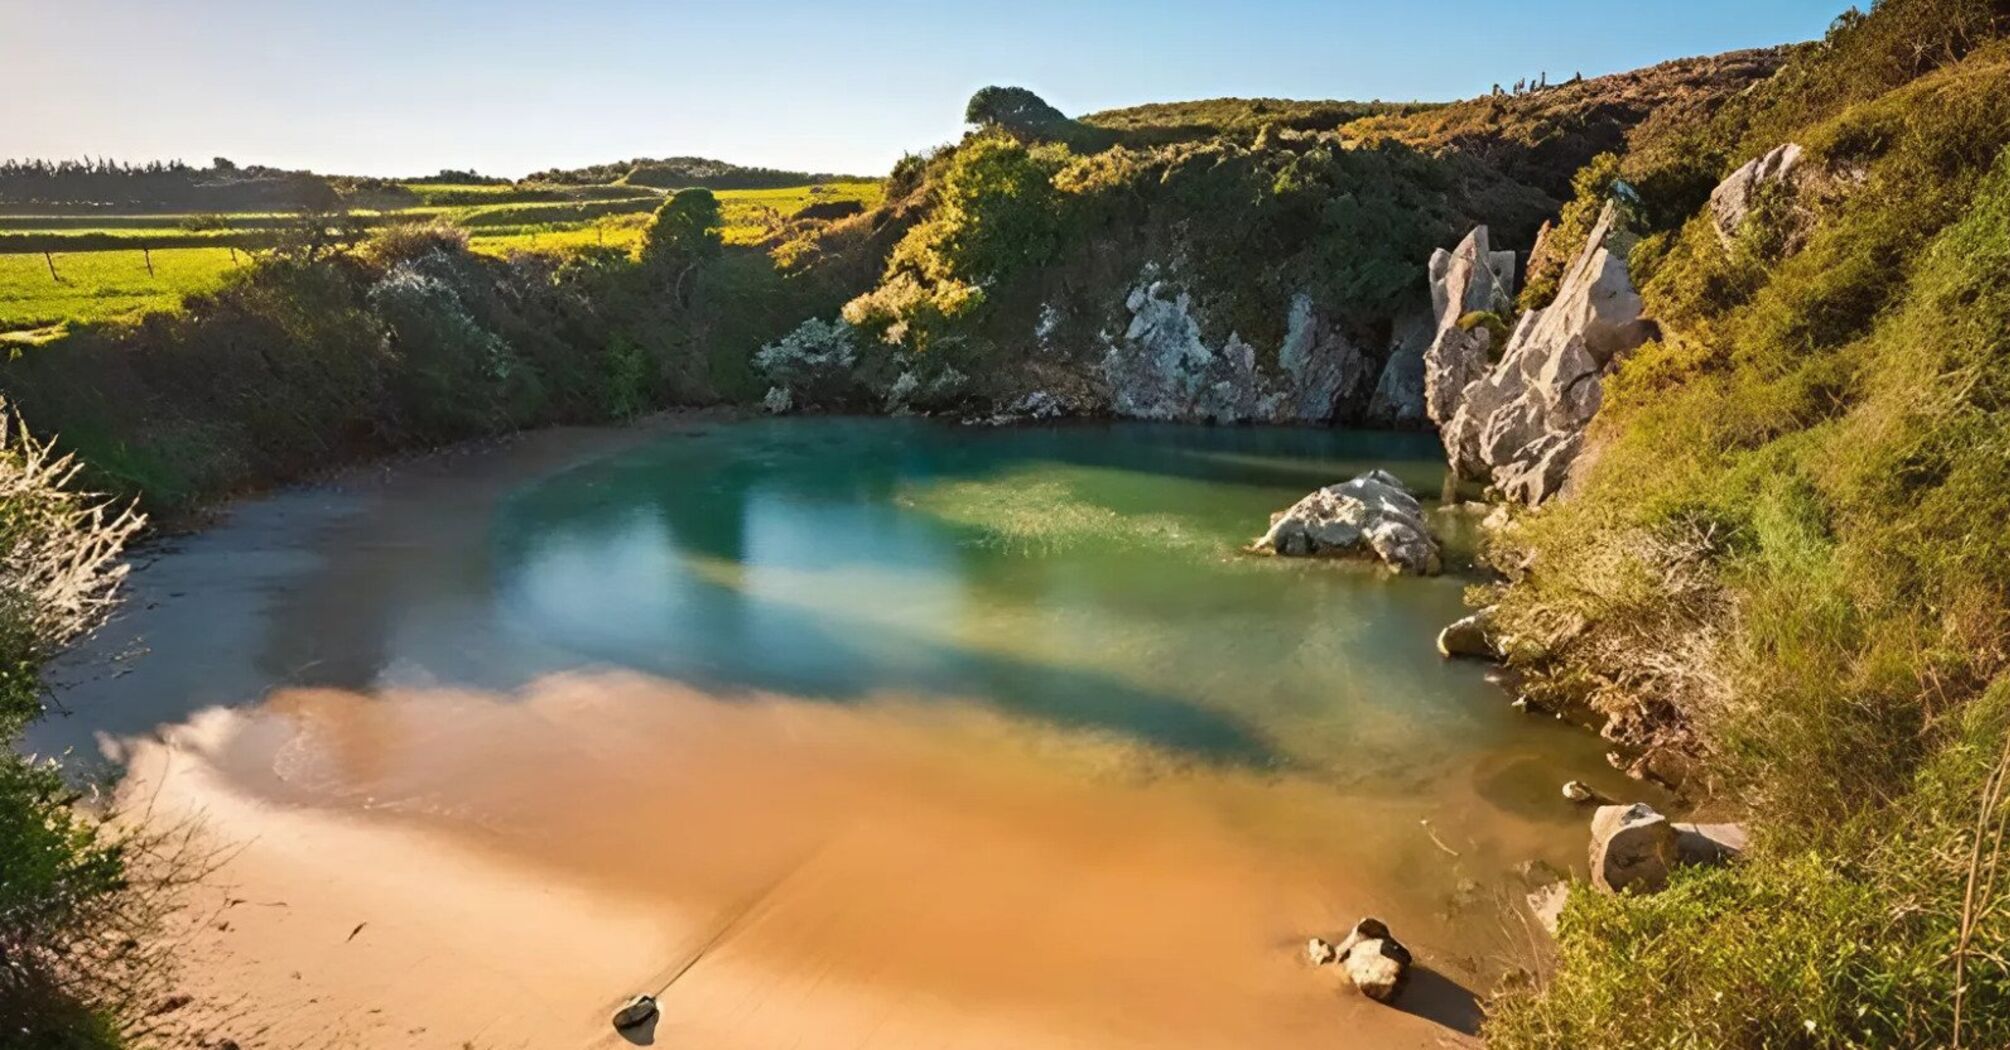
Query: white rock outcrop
[
  {"x": 1471, "y": 277},
  {"x": 1162, "y": 367},
  {"x": 1731, "y": 202},
  {"x": 1522, "y": 423},
  {"x": 1370, "y": 514}
]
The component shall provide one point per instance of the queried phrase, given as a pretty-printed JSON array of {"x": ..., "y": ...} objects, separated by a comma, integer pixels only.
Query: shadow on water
[{"x": 610, "y": 560}]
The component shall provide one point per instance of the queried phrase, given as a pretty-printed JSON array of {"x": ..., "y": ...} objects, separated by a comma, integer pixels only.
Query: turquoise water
[{"x": 1084, "y": 577}]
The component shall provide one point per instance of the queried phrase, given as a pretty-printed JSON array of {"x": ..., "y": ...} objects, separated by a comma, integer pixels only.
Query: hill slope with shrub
[
  {"x": 1231, "y": 260},
  {"x": 1787, "y": 552}
]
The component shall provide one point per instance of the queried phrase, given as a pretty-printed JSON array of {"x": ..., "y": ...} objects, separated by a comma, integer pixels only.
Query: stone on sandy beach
[
  {"x": 1375, "y": 961},
  {"x": 635, "y": 1011}
]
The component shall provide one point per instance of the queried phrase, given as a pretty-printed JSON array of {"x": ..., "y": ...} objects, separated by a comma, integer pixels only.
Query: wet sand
[{"x": 447, "y": 868}]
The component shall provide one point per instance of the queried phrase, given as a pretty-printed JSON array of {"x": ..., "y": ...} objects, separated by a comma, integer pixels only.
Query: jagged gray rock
[
  {"x": 1371, "y": 513},
  {"x": 1521, "y": 425},
  {"x": 1471, "y": 277},
  {"x": 634, "y": 1012},
  {"x": 1400, "y": 393},
  {"x": 1731, "y": 202},
  {"x": 1162, "y": 367}
]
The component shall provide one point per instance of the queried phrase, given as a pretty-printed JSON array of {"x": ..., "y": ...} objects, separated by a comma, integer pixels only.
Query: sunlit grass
[
  {"x": 100, "y": 283},
  {"x": 105, "y": 285}
]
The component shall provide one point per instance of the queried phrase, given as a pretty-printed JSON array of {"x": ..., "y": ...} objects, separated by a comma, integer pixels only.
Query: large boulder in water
[
  {"x": 1470, "y": 636},
  {"x": 1522, "y": 424},
  {"x": 1370, "y": 514}
]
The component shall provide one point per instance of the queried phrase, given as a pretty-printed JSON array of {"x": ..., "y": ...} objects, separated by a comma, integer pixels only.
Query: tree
[
  {"x": 1014, "y": 109},
  {"x": 1027, "y": 117},
  {"x": 684, "y": 235}
]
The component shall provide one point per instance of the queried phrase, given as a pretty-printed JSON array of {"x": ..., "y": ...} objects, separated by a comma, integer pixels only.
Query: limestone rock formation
[
  {"x": 1399, "y": 397},
  {"x": 1522, "y": 424},
  {"x": 1374, "y": 960},
  {"x": 1162, "y": 367},
  {"x": 1470, "y": 278},
  {"x": 1731, "y": 202},
  {"x": 1371, "y": 513}
]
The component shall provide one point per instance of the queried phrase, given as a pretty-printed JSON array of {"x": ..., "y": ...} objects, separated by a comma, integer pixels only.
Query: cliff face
[{"x": 1229, "y": 269}]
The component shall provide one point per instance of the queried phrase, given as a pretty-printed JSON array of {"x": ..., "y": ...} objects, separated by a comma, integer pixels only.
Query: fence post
[{"x": 51, "y": 260}]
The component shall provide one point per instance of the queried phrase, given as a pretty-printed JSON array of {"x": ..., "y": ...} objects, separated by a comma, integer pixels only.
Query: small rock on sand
[{"x": 635, "y": 1011}]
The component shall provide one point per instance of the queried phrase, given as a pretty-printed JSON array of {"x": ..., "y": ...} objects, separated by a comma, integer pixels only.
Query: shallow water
[
  {"x": 1041, "y": 644},
  {"x": 1084, "y": 577}
]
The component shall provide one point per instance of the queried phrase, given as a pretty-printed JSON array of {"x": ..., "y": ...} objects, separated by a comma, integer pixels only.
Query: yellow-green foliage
[
  {"x": 106, "y": 286},
  {"x": 1792, "y": 531},
  {"x": 1014, "y": 234},
  {"x": 996, "y": 213}
]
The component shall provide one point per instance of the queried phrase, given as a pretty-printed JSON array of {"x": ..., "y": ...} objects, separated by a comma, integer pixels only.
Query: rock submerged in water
[{"x": 1372, "y": 513}]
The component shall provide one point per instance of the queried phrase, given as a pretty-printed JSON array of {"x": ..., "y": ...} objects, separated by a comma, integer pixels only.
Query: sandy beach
[{"x": 454, "y": 869}]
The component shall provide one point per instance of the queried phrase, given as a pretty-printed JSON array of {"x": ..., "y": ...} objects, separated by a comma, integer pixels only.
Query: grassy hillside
[{"x": 1788, "y": 557}]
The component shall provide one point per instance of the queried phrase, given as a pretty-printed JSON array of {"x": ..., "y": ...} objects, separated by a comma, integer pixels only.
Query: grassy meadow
[
  {"x": 101, "y": 260},
  {"x": 105, "y": 285}
]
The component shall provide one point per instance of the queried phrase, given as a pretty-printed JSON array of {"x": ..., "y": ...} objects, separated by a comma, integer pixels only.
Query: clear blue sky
[{"x": 509, "y": 86}]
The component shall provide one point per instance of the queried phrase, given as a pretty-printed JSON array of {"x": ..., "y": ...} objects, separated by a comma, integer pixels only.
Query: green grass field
[
  {"x": 102, "y": 273},
  {"x": 104, "y": 285}
]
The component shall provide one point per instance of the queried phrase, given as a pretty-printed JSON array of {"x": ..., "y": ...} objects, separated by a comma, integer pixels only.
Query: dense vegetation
[
  {"x": 308, "y": 358},
  {"x": 1789, "y": 549},
  {"x": 1033, "y": 231}
]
